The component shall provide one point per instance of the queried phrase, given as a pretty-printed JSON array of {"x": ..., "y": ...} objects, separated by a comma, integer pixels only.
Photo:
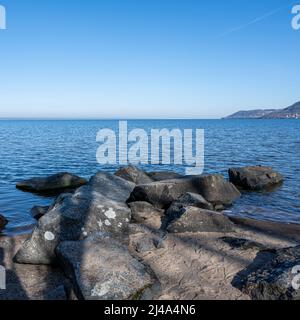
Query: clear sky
[{"x": 147, "y": 58}]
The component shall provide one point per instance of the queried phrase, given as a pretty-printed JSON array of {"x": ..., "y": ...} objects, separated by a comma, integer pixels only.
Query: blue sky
[{"x": 147, "y": 58}]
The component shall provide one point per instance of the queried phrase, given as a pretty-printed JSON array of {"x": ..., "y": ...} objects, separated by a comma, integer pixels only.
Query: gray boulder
[
  {"x": 277, "y": 279},
  {"x": 255, "y": 178},
  {"x": 3, "y": 222},
  {"x": 38, "y": 211},
  {"x": 164, "y": 175},
  {"x": 145, "y": 213},
  {"x": 134, "y": 175},
  {"x": 161, "y": 194},
  {"x": 192, "y": 219},
  {"x": 54, "y": 183},
  {"x": 98, "y": 206},
  {"x": 103, "y": 269}
]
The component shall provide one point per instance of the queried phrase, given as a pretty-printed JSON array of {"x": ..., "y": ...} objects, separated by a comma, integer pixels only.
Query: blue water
[{"x": 39, "y": 148}]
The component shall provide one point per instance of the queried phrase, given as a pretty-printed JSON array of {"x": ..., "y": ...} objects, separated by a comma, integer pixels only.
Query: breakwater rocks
[{"x": 138, "y": 235}]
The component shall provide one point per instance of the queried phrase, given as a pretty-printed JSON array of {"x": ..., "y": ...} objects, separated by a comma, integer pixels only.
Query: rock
[
  {"x": 277, "y": 279},
  {"x": 3, "y": 222},
  {"x": 54, "y": 183},
  {"x": 243, "y": 244},
  {"x": 164, "y": 175},
  {"x": 194, "y": 219},
  {"x": 255, "y": 178},
  {"x": 30, "y": 282},
  {"x": 162, "y": 193},
  {"x": 134, "y": 175},
  {"x": 38, "y": 211},
  {"x": 103, "y": 269},
  {"x": 145, "y": 213},
  {"x": 98, "y": 206},
  {"x": 192, "y": 200}
]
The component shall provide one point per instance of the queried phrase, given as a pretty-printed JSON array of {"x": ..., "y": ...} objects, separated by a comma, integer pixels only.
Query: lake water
[{"x": 39, "y": 148}]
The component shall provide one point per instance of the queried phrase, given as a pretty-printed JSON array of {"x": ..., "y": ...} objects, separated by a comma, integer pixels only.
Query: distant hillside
[{"x": 292, "y": 112}]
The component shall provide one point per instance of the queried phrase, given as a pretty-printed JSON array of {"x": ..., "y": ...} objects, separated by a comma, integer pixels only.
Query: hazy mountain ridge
[{"x": 291, "y": 112}]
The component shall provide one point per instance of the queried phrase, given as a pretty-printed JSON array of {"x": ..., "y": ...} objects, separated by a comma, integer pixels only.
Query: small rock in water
[
  {"x": 3, "y": 222},
  {"x": 255, "y": 178},
  {"x": 54, "y": 183}
]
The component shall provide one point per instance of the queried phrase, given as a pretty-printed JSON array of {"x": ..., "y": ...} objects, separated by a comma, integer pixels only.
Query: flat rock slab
[
  {"x": 194, "y": 219},
  {"x": 255, "y": 178},
  {"x": 29, "y": 282},
  {"x": 278, "y": 278},
  {"x": 164, "y": 175},
  {"x": 57, "y": 182},
  {"x": 161, "y": 194},
  {"x": 103, "y": 269},
  {"x": 98, "y": 206},
  {"x": 134, "y": 175}
]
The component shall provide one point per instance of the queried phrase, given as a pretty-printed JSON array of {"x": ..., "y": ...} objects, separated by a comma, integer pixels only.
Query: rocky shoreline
[{"x": 159, "y": 235}]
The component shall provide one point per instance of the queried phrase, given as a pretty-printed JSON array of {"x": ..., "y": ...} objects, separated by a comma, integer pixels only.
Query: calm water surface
[{"x": 39, "y": 148}]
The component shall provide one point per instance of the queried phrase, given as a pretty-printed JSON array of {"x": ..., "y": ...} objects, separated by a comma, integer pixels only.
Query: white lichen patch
[
  {"x": 49, "y": 236},
  {"x": 110, "y": 214},
  {"x": 107, "y": 223},
  {"x": 120, "y": 225},
  {"x": 101, "y": 290},
  {"x": 127, "y": 220},
  {"x": 100, "y": 224}
]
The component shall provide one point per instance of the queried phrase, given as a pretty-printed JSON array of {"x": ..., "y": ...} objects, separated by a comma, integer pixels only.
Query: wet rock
[
  {"x": 164, "y": 175},
  {"x": 277, "y": 279},
  {"x": 30, "y": 282},
  {"x": 103, "y": 269},
  {"x": 145, "y": 213},
  {"x": 57, "y": 182},
  {"x": 192, "y": 219},
  {"x": 38, "y": 211},
  {"x": 162, "y": 193},
  {"x": 98, "y": 206},
  {"x": 3, "y": 222},
  {"x": 134, "y": 175},
  {"x": 243, "y": 244},
  {"x": 255, "y": 178}
]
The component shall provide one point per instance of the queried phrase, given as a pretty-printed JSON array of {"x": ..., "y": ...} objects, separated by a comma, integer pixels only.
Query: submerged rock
[
  {"x": 255, "y": 178},
  {"x": 277, "y": 279},
  {"x": 161, "y": 194},
  {"x": 145, "y": 213},
  {"x": 39, "y": 211},
  {"x": 98, "y": 206},
  {"x": 192, "y": 219},
  {"x": 103, "y": 269},
  {"x": 134, "y": 175},
  {"x": 57, "y": 182},
  {"x": 3, "y": 222}
]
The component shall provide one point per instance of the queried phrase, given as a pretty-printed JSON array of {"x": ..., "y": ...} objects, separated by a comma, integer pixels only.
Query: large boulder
[
  {"x": 277, "y": 279},
  {"x": 103, "y": 269},
  {"x": 30, "y": 282},
  {"x": 164, "y": 175},
  {"x": 192, "y": 219},
  {"x": 54, "y": 183},
  {"x": 161, "y": 194},
  {"x": 143, "y": 212},
  {"x": 98, "y": 206},
  {"x": 255, "y": 178},
  {"x": 134, "y": 175},
  {"x": 3, "y": 222}
]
